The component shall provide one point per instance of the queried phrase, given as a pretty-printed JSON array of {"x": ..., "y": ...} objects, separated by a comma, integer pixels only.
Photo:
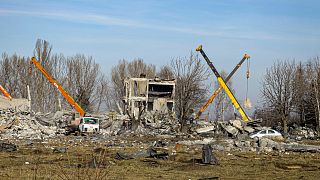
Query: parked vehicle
[
  {"x": 266, "y": 133},
  {"x": 80, "y": 123}
]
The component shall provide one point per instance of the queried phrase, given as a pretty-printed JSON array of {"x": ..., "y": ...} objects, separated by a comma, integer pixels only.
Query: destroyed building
[{"x": 143, "y": 94}]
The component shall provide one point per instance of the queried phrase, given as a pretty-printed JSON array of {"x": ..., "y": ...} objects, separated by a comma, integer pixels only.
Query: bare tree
[
  {"x": 312, "y": 88},
  {"x": 82, "y": 77},
  {"x": 300, "y": 94},
  {"x": 13, "y": 74},
  {"x": 191, "y": 91},
  {"x": 101, "y": 96},
  {"x": 165, "y": 72},
  {"x": 137, "y": 67},
  {"x": 79, "y": 75},
  {"x": 277, "y": 90}
]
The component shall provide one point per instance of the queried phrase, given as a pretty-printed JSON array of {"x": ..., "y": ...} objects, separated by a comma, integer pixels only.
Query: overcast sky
[{"x": 159, "y": 30}]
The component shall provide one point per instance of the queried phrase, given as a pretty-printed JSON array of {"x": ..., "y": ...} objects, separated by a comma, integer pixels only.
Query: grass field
[{"x": 96, "y": 160}]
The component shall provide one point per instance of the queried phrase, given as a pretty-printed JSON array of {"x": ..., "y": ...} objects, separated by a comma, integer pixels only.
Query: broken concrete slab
[
  {"x": 265, "y": 143},
  {"x": 9, "y": 147},
  {"x": 58, "y": 115},
  {"x": 205, "y": 129},
  {"x": 237, "y": 124},
  {"x": 248, "y": 129},
  {"x": 60, "y": 150},
  {"x": 232, "y": 130},
  {"x": 300, "y": 147},
  {"x": 149, "y": 153},
  {"x": 197, "y": 142}
]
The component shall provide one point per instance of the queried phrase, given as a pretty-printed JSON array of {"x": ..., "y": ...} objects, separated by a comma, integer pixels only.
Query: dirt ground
[{"x": 87, "y": 159}]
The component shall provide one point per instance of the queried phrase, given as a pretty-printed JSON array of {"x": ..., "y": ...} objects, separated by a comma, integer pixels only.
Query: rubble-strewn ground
[
  {"x": 89, "y": 158},
  {"x": 33, "y": 146}
]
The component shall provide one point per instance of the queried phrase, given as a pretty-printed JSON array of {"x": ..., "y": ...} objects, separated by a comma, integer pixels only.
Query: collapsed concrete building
[{"x": 143, "y": 94}]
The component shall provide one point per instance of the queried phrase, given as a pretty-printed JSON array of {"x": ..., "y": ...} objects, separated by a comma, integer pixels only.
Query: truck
[{"x": 81, "y": 123}]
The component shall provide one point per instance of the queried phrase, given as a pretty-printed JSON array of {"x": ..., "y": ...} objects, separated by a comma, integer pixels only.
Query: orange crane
[
  {"x": 5, "y": 93},
  {"x": 64, "y": 93}
]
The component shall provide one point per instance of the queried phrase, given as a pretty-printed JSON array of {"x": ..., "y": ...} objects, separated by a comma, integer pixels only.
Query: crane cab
[{"x": 89, "y": 125}]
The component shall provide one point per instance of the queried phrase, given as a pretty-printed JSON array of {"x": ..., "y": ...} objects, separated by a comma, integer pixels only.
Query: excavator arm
[
  {"x": 64, "y": 93},
  {"x": 5, "y": 93},
  {"x": 216, "y": 92},
  {"x": 224, "y": 85}
]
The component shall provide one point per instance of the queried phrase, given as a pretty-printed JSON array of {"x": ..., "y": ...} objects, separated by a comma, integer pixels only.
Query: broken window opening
[
  {"x": 170, "y": 106},
  {"x": 160, "y": 90},
  {"x": 150, "y": 106}
]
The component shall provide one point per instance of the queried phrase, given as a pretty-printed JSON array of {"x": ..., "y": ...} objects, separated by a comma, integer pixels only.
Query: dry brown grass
[{"x": 86, "y": 161}]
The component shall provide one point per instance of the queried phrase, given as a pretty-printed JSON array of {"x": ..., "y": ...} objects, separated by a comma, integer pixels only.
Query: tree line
[
  {"x": 92, "y": 89},
  {"x": 290, "y": 90},
  {"x": 78, "y": 74}
]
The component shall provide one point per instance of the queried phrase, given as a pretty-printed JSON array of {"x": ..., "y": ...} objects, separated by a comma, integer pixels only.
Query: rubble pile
[
  {"x": 15, "y": 104},
  {"x": 20, "y": 125},
  {"x": 151, "y": 123},
  {"x": 161, "y": 123},
  {"x": 16, "y": 122},
  {"x": 231, "y": 128},
  {"x": 299, "y": 133}
]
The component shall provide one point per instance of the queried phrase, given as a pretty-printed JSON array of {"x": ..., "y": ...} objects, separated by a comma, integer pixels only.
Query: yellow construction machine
[{"x": 223, "y": 85}]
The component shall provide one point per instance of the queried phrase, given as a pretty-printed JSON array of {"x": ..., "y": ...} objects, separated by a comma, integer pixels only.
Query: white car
[{"x": 266, "y": 133}]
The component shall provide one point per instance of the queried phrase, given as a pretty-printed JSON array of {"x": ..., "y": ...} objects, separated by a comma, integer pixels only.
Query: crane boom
[
  {"x": 216, "y": 92},
  {"x": 224, "y": 85},
  {"x": 64, "y": 93},
  {"x": 5, "y": 93}
]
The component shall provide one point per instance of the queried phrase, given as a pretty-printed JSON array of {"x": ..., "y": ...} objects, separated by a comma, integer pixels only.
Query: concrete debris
[
  {"x": 269, "y": 145},
  {"x": 197, "y": 142},
  {"x": 205, "y": 129},
  {"x": 265, "y": 144},
  {"x": 7, "y": 147},
  {"x": 60, "y": 150},
  {"x": 20, "y": 125},
  {"x": 149, "y": 153},
  {"x": 160, "y": 127},
  {"x": 300, "y": 147},
  {"x": 237, "y": 124},
  {"x": 15, "y": 104},
  {"x": 232, "y": 130},
  {"x": 248, "y": 129},
  {"x": 299, "y": 133}
]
